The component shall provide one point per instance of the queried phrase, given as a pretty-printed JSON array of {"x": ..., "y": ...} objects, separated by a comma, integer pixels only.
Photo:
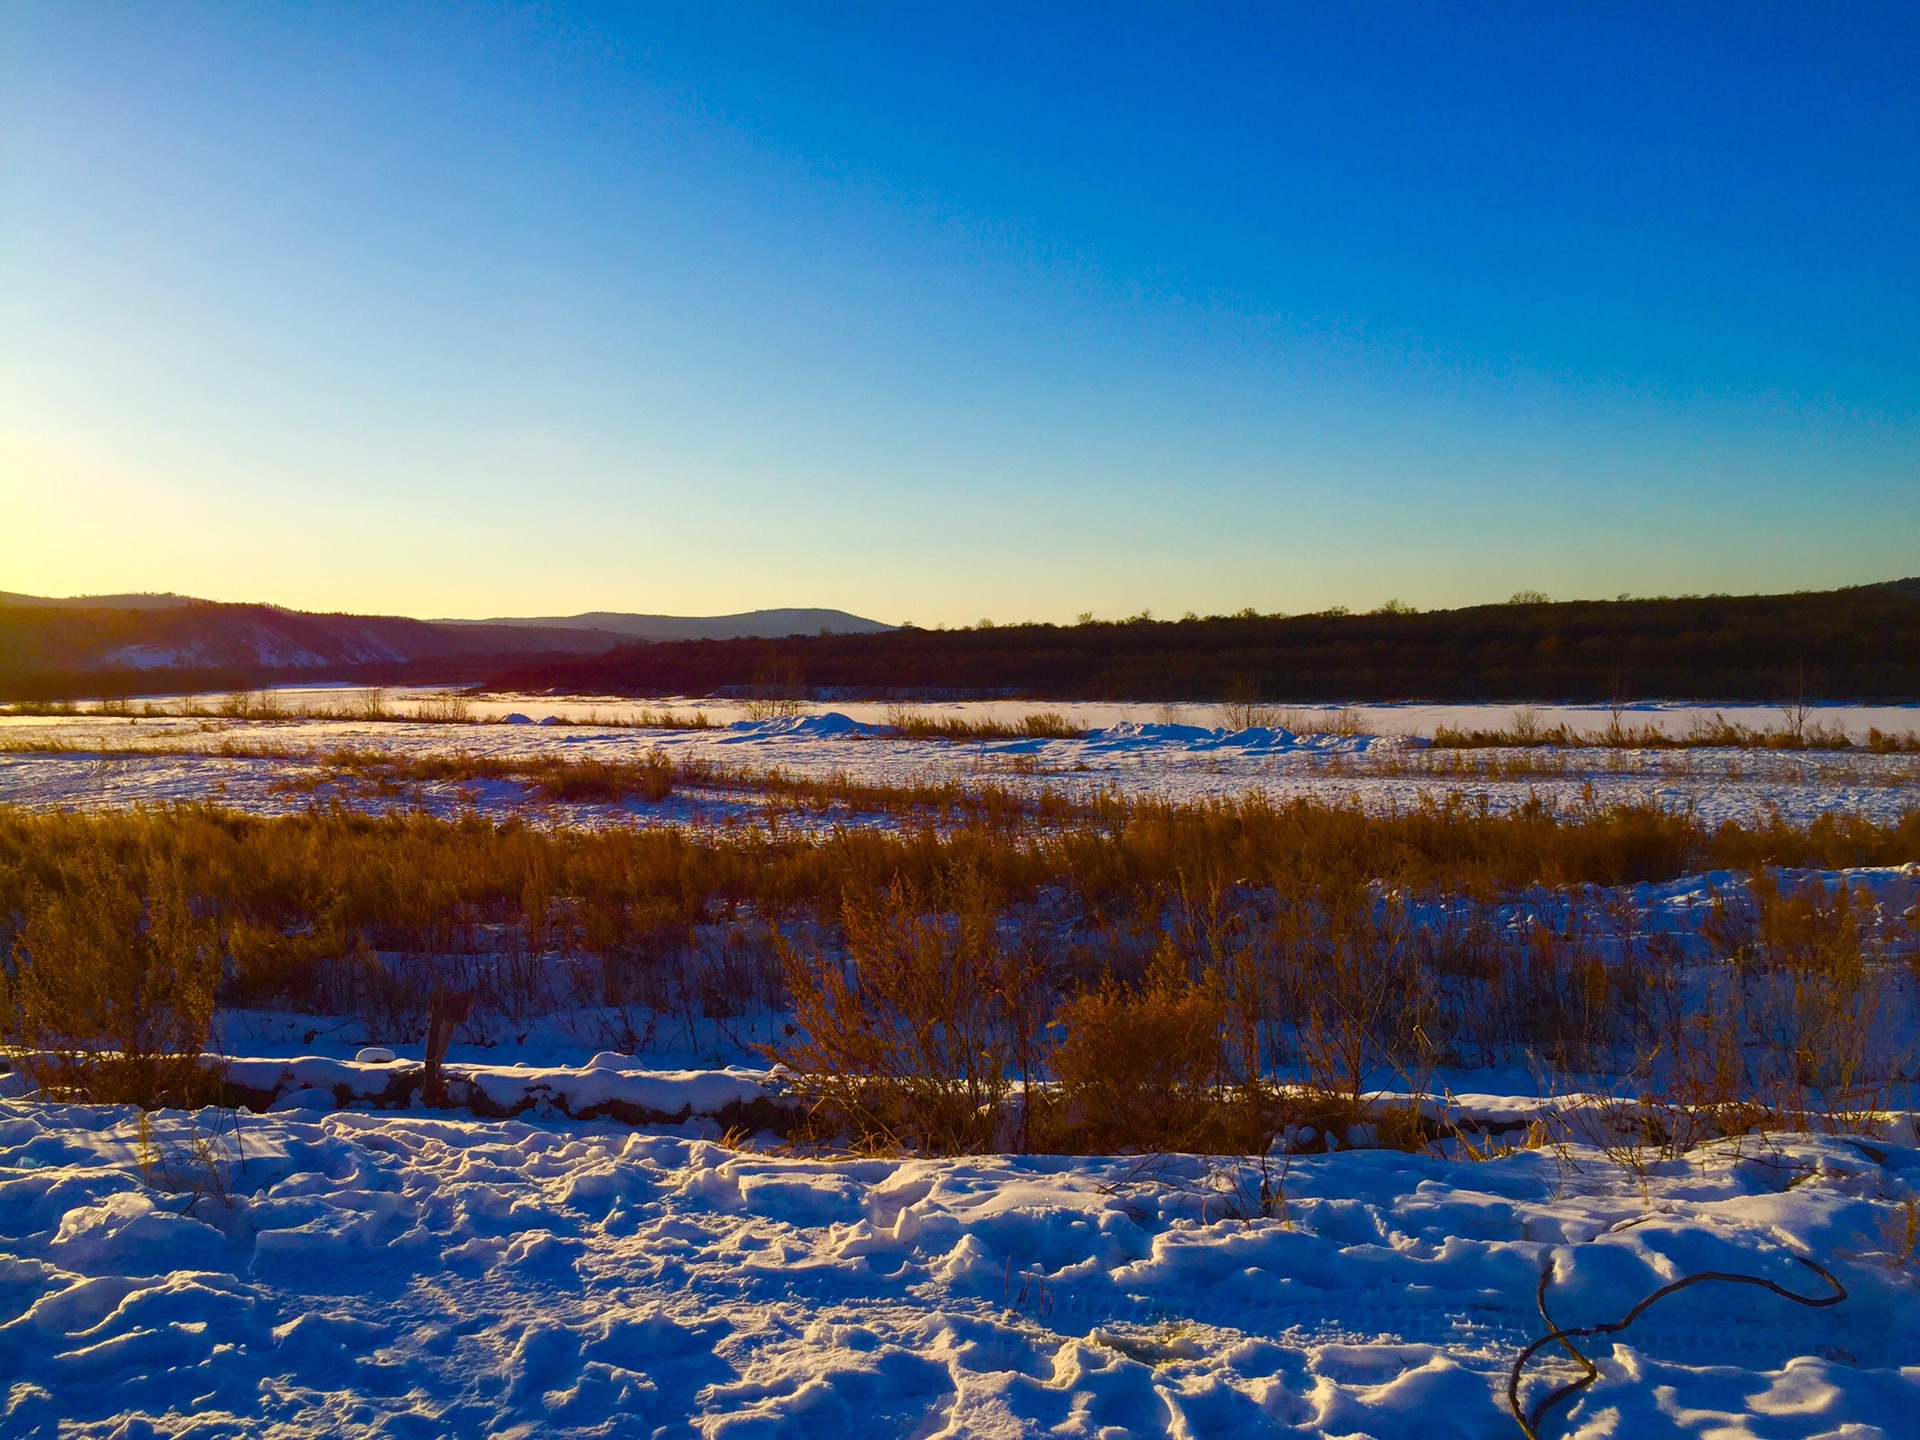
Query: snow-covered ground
[
  {"x": 98, "y": 761},
  {"x": 1671, "y": 717},
  {"x": 325, "y": 1271},
  {"x": 410, "y": 1275}
]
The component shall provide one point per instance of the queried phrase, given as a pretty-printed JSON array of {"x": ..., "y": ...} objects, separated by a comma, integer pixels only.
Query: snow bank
[
  {"x": 620, "y": 1088},
  {"x": 383, "y": 1275},
  {"x": 1134, "y": 737},
  {"x": 609, "y": 1086},
  {"x": 831, "y": 726}
]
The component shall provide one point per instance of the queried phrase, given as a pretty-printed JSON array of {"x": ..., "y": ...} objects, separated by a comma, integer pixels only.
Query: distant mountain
[
  {"x": 133, "y": 644},
  {"x": 118, "y": 645},
  {"x": 751, "y": 625}
]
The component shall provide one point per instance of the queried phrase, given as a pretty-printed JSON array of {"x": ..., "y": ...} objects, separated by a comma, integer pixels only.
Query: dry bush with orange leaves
[
  {"x": 1144, "y": 1067},
  {"x": 108, "y": 994},
  {"x": 913, "y": 1039}
]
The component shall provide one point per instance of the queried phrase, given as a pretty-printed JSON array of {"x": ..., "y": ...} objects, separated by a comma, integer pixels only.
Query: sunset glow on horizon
[{"x": 932, "y": 316}]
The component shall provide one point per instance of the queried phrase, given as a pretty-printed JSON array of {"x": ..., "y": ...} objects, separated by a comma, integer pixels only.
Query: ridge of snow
[{"x": 831, "y": 726}]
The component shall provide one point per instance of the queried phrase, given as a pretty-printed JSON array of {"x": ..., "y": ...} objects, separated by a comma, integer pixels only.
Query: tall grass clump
[
  {"x": 1040, "y": 725},
  {"x": 449, "y": 709},
  {"x": 1797, "y": 731},
  {"x": 109, "y": 989},
  {"x": 914, "y": 1038},
  {"x": 1240, "y": 710},
  {"x": 1146, "y": 1066}
]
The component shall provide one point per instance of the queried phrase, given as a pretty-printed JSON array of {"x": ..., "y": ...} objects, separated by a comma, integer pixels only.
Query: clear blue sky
[{"x": 941, "y": 312}]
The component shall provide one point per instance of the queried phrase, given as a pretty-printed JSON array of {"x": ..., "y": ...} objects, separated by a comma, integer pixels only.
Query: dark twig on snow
[{"x": 1529, "y": 1421}]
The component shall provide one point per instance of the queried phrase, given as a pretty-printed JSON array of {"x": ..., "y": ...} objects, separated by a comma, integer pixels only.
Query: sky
[{"x": 941, "y": 313}]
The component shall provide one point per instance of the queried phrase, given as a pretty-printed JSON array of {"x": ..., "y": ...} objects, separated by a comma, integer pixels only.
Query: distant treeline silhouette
[{"x": 1861, "y": 643}]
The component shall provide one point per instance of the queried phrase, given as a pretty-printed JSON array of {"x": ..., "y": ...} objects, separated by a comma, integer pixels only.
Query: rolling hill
[
  {"x": 750, "y": 624},
  {"x": 146, "y": 643}
]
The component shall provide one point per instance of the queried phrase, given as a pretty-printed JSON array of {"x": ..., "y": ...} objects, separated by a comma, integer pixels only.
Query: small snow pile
[
  {"x": 381, "y": 1275},
  {"x": 1136, "y": 737},
  {"x": 516, "y": 718},
  {"x": 831, "y": 726}
]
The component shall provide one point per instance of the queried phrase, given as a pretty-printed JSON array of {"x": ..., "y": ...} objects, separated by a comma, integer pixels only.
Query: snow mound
[
  {"x": 1136, "y": 734},
  {"x": 1194, "y": 739},
  {"x": 831, "y": 726}
]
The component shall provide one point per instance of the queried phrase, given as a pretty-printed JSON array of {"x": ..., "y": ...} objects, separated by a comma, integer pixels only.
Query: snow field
[
  {"x": 379, "y": 1275},
  {"x": 1135, "y": 760},
  {"x": 1671, "y": 717},
  {"x": 361, "y": 1272}
]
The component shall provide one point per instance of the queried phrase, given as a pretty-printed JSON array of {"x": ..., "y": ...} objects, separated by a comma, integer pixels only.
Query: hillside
[
  {"x": 56, "y": 649},
  {"x": 134, "y": 643},
  {"x": 746, "y": 625},
  {"x": 139, "y": 600},
  {"x": 1858, "y": 643}
]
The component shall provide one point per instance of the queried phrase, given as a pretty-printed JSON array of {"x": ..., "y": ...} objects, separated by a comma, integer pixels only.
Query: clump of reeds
[
  {"x": 1145, "y": 1067},
  {"x": 109, "y": 992},
  {"x": 912, "y": 1038},
  {"x": 1797, "y": 731},
  {"x": 602, "y": 781},
  {"x": 1041, "y": 725}
]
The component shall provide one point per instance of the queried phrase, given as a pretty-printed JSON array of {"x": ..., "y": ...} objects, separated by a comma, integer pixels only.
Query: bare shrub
[
  {"x": 447, "y": 709},
  {"x": 1364, "y": 998},
  {"x": 778, "y": 691},
  {"x": 1143, "y": 1068},
  {"x": 774, "y": 707},
  {"x": 1241, "y": 708},
  {"x": 1346, "y": 720},
  {"x": 603, "y": 781},
  {"x": 906, "y": 1044},
  {"x": 109, "y": 997}
]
